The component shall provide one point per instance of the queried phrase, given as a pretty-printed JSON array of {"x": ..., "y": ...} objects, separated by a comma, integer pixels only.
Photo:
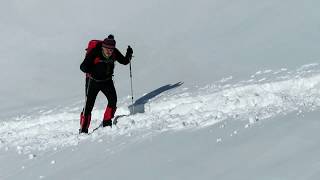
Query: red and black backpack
[{"x": 92, "y": 44}]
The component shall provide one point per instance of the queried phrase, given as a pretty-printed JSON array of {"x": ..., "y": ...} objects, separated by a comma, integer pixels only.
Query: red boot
[
  {"x": 108, "y": 115},
  {"x": 84, "y": 123}
]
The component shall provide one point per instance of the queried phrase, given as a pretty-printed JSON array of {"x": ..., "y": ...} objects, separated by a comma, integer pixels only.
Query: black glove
[{"x": 129, "y": 52}]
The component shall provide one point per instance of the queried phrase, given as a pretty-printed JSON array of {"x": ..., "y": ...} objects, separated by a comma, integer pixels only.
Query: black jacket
[{"x": 98, "y": 66}]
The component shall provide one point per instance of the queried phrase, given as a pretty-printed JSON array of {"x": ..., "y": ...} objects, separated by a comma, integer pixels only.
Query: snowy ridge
[{"x": 267, "y": 94}]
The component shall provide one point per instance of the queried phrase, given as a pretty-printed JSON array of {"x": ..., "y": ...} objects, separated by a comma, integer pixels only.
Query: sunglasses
[{"x": 108, "y": 48}]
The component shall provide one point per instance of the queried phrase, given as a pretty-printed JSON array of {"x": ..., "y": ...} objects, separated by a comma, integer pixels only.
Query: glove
[{"x": 129, "y": 52}]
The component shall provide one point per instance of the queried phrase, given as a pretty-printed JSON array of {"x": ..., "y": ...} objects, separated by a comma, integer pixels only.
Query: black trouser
[{"x": 93, "y": 88}]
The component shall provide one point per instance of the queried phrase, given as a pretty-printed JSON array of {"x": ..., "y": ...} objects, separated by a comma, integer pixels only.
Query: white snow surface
[
  {"x": 231, "y": 90},
  {"x": 219, "y": 117},
  {"x": 179, "y": 108},
  {"x": 196, "y": 42}
]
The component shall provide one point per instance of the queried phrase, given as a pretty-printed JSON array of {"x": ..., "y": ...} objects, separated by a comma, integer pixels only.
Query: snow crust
[{"x": 266, "y": 94}]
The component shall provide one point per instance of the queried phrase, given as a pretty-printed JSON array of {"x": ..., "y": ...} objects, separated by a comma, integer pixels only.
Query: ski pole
[
  {"x": 87, "y": 90},
  {"x": 131, "y": 87}
]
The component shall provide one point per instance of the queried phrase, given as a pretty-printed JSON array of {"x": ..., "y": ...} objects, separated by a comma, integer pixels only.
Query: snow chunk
[{"x": 31, "y": 156}]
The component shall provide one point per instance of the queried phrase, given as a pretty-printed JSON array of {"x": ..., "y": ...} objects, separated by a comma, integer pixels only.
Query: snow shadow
[{"x": 138, "y": 106}]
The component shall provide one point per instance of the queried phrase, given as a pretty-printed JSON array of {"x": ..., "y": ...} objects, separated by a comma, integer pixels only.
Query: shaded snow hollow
[{"x": 267, "y": 94}]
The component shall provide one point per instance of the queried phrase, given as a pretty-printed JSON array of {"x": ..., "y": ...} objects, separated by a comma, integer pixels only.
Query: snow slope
[
  {"x": 187, "y": 129},
  {"x": 196, "y": 42},
  {"x": 204, "y": 114},
  {"x": 179, "y": 109}
]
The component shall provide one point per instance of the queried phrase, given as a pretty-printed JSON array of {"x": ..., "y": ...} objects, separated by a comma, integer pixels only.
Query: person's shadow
[{"x": 138, "y": 105}]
